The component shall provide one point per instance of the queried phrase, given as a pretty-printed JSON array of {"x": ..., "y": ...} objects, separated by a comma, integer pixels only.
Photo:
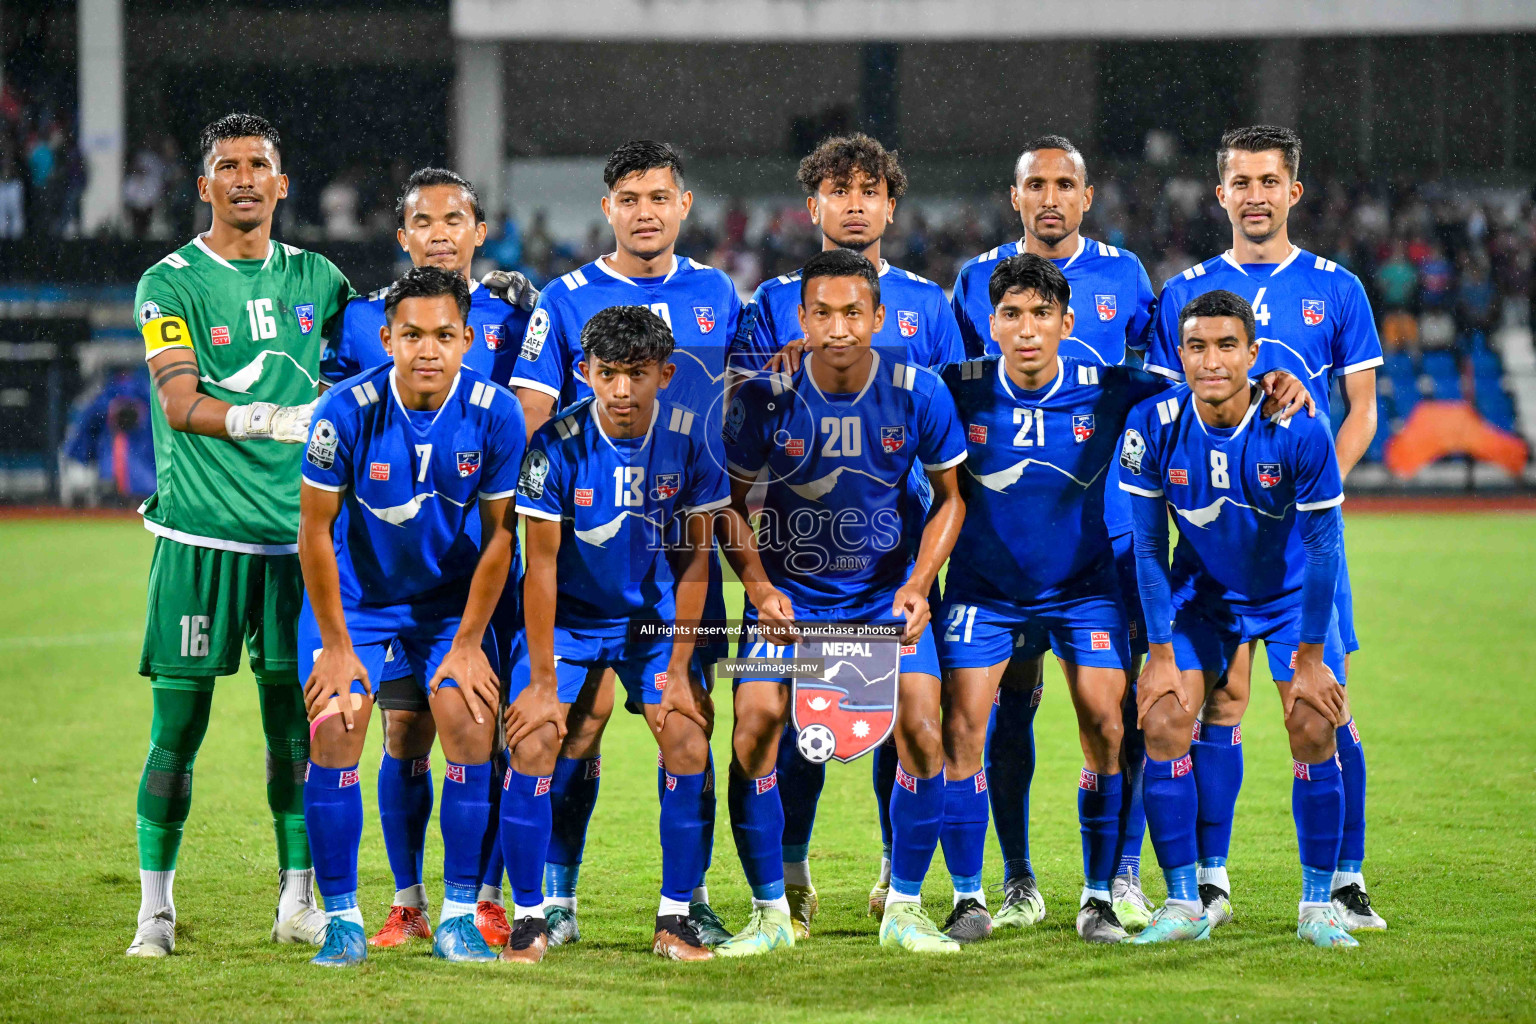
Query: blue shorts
[
  {"x": 640, "y": 666},
  {"x": 1344, "y": 605},
  {"x": 1206, "y": 641},
  {"x": 921, "y": 657},
  {"x": 506, "y": 620},
  {"x": 383, "y": 637},
  {"x": 1130, "y": 593},
  {"x": 1088, "y": 630}
]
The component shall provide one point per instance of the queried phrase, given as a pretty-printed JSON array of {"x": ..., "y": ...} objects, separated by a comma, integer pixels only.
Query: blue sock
[
  {"x": 707, "y": 808},
  {"x": 964, "y": 833},
  {"x": 757, "y": 822},
  {"x": 1170, "y": 797},
  {"x": 1352, "y": 768},
  {"x": 1317, "y": 804},
  {"x": 1098, "y": 815},
  {"x": 917, "y": 816},
  {"x": 800, "y": 784},
  {"x": 405, "y": 808},
  {"x": 1133, "y": 817},
  {"x": 1010, "y": 762},
  {"x": 465, "y": 820},
  {"x": 884, "y": 771},
  {"x": 333, "y": 817},
  {"x": 572, "y": 795},
  {"x": 495, "y": 865},
  {"x": 525, "y": 825},
  {"x": 1217, "y": 754},
  {"x": 681, "y": 822}
]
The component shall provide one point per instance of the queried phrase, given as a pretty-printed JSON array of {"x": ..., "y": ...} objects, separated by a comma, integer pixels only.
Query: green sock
[
  {"x": 165, "y": 788},
  {"x": 286, "y": 725}
]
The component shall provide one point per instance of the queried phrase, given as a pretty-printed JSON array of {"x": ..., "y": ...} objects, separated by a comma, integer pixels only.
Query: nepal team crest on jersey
[
  {"x": 306, "y": 315},
  {"x": 850, "y": 708},
  {"x": 1082, "y": 427},
  {"x": 1105, "y": 304},
  {"x": 1312, "y": 311},
  {"x": 667, "y": 485},
  {"x": 705, "y": 315},
  {"x": 495, "y": 334},
  {"x": 1269, "y": 474},
  {"x": 892, "y": 438},
  {"x": 906, "y": 322},
  {"x": 468, "y": 462}
]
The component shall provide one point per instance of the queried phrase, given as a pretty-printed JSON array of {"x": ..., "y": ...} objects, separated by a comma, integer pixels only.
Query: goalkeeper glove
[
  {"x": 512, "y": 288},
  {"x": 266, "y": 421}
]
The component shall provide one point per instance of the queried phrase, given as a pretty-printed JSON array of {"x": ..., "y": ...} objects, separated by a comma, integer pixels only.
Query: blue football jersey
[
  {"x": 1034, "y": 479},
  {"x": 1235, "y": 493},
  {"x": 1112, "y": 301},
  {"x": 699, "y": 303},
  {"x": 409, "y": 529},
  {"x": 839, "y": 526},
  {"x": 619, "y": 502},
  {"x": 1312, "y": 315},
  {"x": 498, "y": 328},
  {"x": 918, "y": 320}
]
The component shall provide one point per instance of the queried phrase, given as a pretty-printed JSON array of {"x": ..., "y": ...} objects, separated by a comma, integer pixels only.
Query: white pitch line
[{"x": 69, "y": 639}]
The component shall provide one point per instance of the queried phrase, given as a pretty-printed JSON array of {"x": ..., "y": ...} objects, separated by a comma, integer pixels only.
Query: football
[{"x": 816, "y": 743}]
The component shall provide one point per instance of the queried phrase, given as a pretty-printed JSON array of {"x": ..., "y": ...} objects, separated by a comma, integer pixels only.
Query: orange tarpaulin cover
[{"x": 1438, "y": 429}]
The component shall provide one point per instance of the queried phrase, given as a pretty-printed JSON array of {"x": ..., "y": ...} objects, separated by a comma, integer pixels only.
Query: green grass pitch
[{"x": 1443, "y": 691}]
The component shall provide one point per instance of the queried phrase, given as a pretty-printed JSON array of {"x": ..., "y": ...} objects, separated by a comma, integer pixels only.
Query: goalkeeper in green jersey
[{"x": 233, "y": 325}]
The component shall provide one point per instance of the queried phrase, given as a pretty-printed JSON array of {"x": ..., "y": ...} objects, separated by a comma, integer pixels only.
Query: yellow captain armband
[{"x": 165, "y": 332}]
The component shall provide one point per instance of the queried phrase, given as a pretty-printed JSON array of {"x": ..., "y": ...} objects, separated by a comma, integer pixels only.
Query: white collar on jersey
[
  {"x": 198, "y": 241},
  {"x": 597, "y": 425},
  {"x": 395, "y": 390},
  {"x": 1231, "y": 258},
  {"x": 1255, "y": 399},
  {"x": 1029, "y": 396},
  {"x": 602, "y": 264},
  {"x": 1082, "y": 244},
  {"x": 874, "y": 368}
]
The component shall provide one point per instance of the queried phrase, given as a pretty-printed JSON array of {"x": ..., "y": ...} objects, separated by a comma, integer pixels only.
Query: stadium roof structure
[{"x": 935, "y": 20}]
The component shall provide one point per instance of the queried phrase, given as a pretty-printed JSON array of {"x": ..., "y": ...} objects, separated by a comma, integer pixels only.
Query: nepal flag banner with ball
[{"x": 850, "y": 708}]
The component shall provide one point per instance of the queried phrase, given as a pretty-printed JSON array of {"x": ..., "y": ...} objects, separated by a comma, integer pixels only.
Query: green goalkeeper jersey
[{"x": 256, "y": 327}]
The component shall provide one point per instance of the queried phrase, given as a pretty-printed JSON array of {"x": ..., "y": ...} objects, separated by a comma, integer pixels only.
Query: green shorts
[{"x": 204, "y": 602}]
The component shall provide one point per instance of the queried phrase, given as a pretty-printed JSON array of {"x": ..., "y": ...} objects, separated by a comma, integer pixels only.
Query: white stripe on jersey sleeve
[
  {"x": 1312, "y": 506},
  {"x": 333, "y": 488},
  {"x": 941, "y": 466},
  {"x": 1144, "y": 492},
  {"x": 537, "y": 513},
  {"x": 539, "y": 386}
]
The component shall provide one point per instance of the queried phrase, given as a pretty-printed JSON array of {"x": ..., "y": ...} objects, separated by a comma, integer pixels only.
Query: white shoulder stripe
[
  {"x": 481, "y": 394},
  {"x": 1114, "y": 251},
  {"x": 1087, "y": 374},
  {"x": 1168, "y": 410},
  {"x": 1103, "y": 249},
  {"x": 567, "y": 426},
  {"x": 681, "y": 421},
  {"x": 904, "y": 376},
  {"x": 291, "y": 250},
  {"x": 175, "y": 260},
  {"x": 578, "y": 277},
  {"x": 365, "y": 393},
  {"x": 568, "y": 281},
  {"x": 783, "y": 279}
]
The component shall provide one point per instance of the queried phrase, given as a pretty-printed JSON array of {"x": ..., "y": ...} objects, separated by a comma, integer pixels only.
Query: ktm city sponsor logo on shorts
[
  {"x": 661, "y": 761},
  {"x": 661, "y": 680},
  {"x": 1237, "y": 735},
  {"x": 584, "y": 496},
  {"x": 1196, "y": 736},
  {"x": 1302, "y": 771},
  {"x": 977, "y": 432},
  {"x": 1293, "y": 659},
  {"x": 455, "y": 773},
  {"x": 1036, "y": 695},
  {"x": 767, "y": 782},
  {"x": 541, "y": 787},
  {"x": 671, "y": 782},
  {"x": 421, "y": 765},
  {"x": 378, "y": 471},
  {"x": 997, "y": 696},
  {"x": 219, "y": 335},
  {"x": 1179, "y": 476},
  {"x": 981, "y": 781},
  {"x": 1088, "y": 780},
  {"x": 348, "y": 778},
  {"x": 907, "y": 649},
  {"x": 904, "y": 780},
  {"x": 1099, "y": 640},
  {"x": 506, "y": 780},
  {"x": 1353, "y": 732},
  {"x": 595, "y": 767},
  {"x": 1182, "y": 767}
]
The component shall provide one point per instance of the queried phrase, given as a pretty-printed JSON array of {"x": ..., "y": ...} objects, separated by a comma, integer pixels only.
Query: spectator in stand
[
  {"x": 143, "y": 189},
  {"x": 1476, "y": 304},
  {"x": 339, "y": 208},
  {"x": 13, "y": 221},
  {"x": 1436, "y": 277},
  {"x": 1396, "y": 281}
]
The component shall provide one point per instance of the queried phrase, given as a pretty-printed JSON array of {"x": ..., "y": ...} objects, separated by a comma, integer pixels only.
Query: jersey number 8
[{"x": 1219, "y": 476}]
